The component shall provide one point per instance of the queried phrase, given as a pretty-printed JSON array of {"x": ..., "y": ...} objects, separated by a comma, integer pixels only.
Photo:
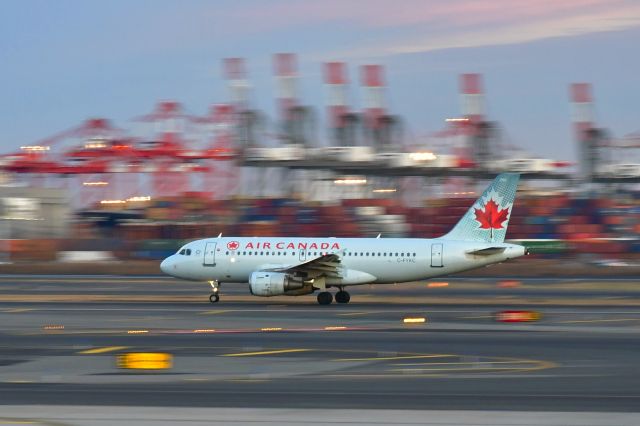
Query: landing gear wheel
[
  {"x": 325, "y": 298},
  {"x": 342, "y": 297},
  {"x": 215, "y": 286}
]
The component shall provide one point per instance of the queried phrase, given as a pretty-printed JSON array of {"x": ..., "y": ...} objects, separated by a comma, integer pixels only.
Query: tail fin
[{"x": 487, "y": 219}]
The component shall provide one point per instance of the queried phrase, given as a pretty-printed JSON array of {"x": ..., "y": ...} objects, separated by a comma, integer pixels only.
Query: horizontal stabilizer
[{"x": 487, "y": 251}]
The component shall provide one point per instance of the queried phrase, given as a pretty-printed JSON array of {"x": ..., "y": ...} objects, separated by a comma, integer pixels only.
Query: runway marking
[
  {"x": 480, "y": 365},
  {"x": 386, "y": 358},
  {"x": 103, "y": 350},
  {"x": 477, "y": 317},
  {"x": 538, "y": 365},
  {"x": 18, "y": 422},
  {"x": 216, "y": 312},
  {"x": 384, "y": 376},
  {"x": 18, "y": 310},
  {"x": 281, "y": 351},
  {"x": 599, "y": 320},
  {"x": 353, "y": 314}
]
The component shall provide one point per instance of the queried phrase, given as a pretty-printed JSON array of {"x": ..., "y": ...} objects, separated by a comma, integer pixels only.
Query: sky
[{"x": 64, "y": 61}]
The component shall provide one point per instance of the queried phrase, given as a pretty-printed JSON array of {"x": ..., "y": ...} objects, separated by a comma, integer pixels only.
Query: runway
[{"x": 61, "y": 338}]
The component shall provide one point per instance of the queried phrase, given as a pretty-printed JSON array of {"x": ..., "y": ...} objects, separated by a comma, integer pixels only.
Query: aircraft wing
[{"x": 326, "y": 265}]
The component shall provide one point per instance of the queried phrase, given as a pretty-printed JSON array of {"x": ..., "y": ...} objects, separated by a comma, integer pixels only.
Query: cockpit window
[
  {"x": 188, "y": 252},
  {"x": 182, "y": 251}
]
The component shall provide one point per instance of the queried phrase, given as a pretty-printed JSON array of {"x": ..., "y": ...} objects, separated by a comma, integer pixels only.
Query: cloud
[
  {"x": 277, "y": 14},
  {"x": 572, "y": 18}
]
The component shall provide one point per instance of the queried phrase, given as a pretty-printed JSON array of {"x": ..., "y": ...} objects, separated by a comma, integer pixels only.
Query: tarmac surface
[{"x": 63, "y": 338}]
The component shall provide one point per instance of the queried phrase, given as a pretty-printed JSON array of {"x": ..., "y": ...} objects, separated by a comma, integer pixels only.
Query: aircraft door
[
  {"x": 303, "y": 255},
  {"x": 210, "y": 254},
  {"x": 436, "y": 255}
]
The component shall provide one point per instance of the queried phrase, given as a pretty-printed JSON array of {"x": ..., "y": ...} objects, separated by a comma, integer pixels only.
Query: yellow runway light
[
  {"x": 137, "y": 331},
  {"x": 335, "y": 327},
  {"x": 414, "y": 320},
  {"x": 438, "y": 284},
  {"x": 271, "y": 329},
  {"x": 145, "y": 361}
]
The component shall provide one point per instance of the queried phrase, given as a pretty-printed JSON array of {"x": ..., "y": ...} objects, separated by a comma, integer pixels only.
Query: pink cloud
[{"x": 384, "y": 13}]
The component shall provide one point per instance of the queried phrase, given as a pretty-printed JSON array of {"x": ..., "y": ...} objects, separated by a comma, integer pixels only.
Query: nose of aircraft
[{"x": 166, "y": 265}]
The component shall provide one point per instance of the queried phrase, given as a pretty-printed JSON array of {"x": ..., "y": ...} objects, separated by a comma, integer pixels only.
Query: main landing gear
[
  {"x": 325, "y": 298},
  {"x": 342, "y": 297},
  {"x": 215, "y": 296}
]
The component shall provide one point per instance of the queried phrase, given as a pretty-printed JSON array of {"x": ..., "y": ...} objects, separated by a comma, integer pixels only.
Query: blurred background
[{"x": 393, "y": 132}]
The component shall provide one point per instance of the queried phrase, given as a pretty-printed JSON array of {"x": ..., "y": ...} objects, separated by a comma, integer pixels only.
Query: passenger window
[
  {"x": 250, "y": 253},
  {"x": 414, "y": 255},
  {"x": 261, "y": 253},
  {"x": 384, "y": 254},
  {"x": 401, "y": 254},
  {"x": 396, "y": 254},
  {"x": 244, "y": 253},
  {"x": 227, "y": 253}
]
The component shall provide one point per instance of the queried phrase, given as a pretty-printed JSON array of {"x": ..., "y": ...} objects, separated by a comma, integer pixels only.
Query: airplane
[{"x": 274, "y": 266}]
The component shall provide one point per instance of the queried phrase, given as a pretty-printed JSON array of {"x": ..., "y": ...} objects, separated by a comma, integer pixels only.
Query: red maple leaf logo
[
  {"x": 233, "y": 245},
  {"x": 491, "y": 217}
]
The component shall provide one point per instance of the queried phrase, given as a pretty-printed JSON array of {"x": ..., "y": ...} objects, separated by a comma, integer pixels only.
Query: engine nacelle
[{"x": 273, "y": 284}]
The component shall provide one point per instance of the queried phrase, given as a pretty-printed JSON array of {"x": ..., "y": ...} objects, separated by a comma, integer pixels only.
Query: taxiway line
[
  {"x": 281, "y": 351},
  {"x": 102, "y": 350}
]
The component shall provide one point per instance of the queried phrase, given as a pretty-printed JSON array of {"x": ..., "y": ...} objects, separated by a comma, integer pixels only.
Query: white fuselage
[{"x": 362, "y": 260}]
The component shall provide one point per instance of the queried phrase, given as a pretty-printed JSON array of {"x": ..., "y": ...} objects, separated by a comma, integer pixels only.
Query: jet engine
[{"x": 276, "y": 284}]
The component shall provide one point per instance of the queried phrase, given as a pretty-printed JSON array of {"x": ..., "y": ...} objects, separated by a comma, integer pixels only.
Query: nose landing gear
[{"x": 215, "y": 296}]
